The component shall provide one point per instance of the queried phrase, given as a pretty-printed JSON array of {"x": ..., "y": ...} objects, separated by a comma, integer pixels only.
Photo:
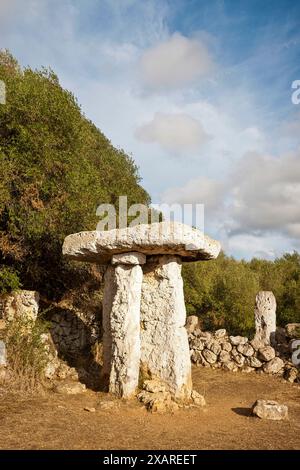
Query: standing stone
[
  {"x": 121, "y": 323},
  {"x": 164, "y": 341},
  {"x": 265, "y": 318}
]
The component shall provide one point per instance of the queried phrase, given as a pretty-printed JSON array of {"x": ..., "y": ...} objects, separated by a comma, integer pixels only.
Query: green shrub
[{"x": 9, "y": 280}]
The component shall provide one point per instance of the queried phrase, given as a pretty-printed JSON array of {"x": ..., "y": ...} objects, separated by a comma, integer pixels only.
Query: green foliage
[
  {"x": 56, "y": 167},
  {"x": 9, "y": 280},
  {"x": 27, "y": 353},
  {"x": 222, "y": 292}
]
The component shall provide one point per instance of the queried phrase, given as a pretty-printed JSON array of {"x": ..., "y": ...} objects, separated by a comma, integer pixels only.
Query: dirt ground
[{"x": 60, "y": 422}]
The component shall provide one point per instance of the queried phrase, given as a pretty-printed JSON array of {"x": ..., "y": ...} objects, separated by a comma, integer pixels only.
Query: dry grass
[{"x": 27, "y": 354}]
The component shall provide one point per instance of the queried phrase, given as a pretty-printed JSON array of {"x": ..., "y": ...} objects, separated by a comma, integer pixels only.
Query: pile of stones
[
  {"x": 219, "y": 350},
  {"x": 156, "y": 397}
]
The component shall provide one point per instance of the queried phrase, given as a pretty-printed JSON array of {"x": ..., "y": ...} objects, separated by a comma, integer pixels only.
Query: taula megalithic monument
[{"x": 143, "y": 304}]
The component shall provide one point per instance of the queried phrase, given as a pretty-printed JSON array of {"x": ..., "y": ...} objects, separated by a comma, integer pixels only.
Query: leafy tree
[{"x": 56, "y": 167}]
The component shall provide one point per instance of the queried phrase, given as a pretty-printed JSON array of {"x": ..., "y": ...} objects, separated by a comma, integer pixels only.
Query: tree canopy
[{"x": 56, "y": 167}]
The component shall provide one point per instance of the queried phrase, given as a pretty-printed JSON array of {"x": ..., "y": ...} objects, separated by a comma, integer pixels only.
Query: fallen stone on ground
[
  {"x": 270, "y": 409},
  {"x": 70, "y": 388}
]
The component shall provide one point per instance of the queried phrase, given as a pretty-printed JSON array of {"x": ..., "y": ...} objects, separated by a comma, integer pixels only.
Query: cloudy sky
[{"x": 197, "y": 91}]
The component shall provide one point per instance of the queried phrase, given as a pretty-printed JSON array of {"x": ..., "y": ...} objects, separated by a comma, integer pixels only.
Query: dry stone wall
[{"x": 219, "y": 350}]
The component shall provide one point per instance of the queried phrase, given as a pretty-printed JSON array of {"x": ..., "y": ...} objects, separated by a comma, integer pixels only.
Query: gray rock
[
  {"x": 274, "y": 366},
  {"x": 209, "y": 356},
  {"x": 270, "y": 409},
  {"x": 198, "y": 344},
  {"x": 220, "y": 333},
  {"x": 245, "y": 349},
  {"x": 154, "y": 386},
  {"x": 257, "y": 344},
  {"x": 215, "y": 347},
  {"x": 235, "y": 340},
  {"x": 266, "y": 353},
  {"x": 224, "y": 356},
  {"x": 291, "y": 374},
  {"x": 198, "y": 399},
  {"x": 253, "y": 362},
  {"x": 226, "y": 346},
  {"x": 70, "y": 388},
  {"x": 239, "y": 359},
  {"x": 230, "y": 366}
]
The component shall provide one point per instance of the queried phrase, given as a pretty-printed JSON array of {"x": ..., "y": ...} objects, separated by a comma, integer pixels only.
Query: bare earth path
[{"x": 60, "y": 422}]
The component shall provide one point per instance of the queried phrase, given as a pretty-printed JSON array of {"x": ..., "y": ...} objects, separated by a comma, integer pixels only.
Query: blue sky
[{"x": 197, "y": 91}]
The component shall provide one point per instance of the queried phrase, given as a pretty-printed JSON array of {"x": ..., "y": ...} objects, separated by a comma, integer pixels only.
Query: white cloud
[
  {"x": 175, "y": 133},
  {"x": 196, "y": 191},
  {"x": 175, "y": 63},
  {"x": 266, "y": 194}
]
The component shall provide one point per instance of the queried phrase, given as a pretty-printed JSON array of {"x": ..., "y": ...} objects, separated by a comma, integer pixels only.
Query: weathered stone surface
[
  {"x": 245, "y": 349},
  {"x": 293, "y": 330},
  {"x": 226, "y": 346},
  {"x": 265, "y": 317},
  {"x": 253, "y": 362},
  {"x": 291, "y": 374},
  {"x": 266, "y": 354},
  {"x": 274, "y": 366},
  {"x": 198, "y": 399},
  {"x": 224, "y": 356},
  {"x": 239, "y": 359},
  {"x": 209, "y": 356},
  {"x": 3, "y": 359},
  {"x": 215, "y": 347},
  {"x": 236, "y": 340},
  {"x": 230, "y": 366},
  {"x": 220, "y": 333},
  {"x": 198, "y": 344},
  {"x": 131, "y": 258},
  {"x": 192, "y": 322},
  {"x": 164, "y": 342},
  {"x": 257, "y": 344},
  {"x": 172, "y": 238},
  {"x": 121, "y": 314},
  {"x": 270, "y": 409},
  {"x": 154, "y": 386},
  {"x": 23, "y": 304},
  {"x": 70, "y": 388}
]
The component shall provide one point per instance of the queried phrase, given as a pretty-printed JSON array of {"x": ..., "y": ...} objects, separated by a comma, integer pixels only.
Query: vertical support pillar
[
  {"x": 121, "y": 323},
  {"x": 164, "y": 341}
]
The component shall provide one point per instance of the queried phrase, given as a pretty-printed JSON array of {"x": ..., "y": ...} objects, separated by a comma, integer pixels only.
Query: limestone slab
[{"x": 167, "y": 237}]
